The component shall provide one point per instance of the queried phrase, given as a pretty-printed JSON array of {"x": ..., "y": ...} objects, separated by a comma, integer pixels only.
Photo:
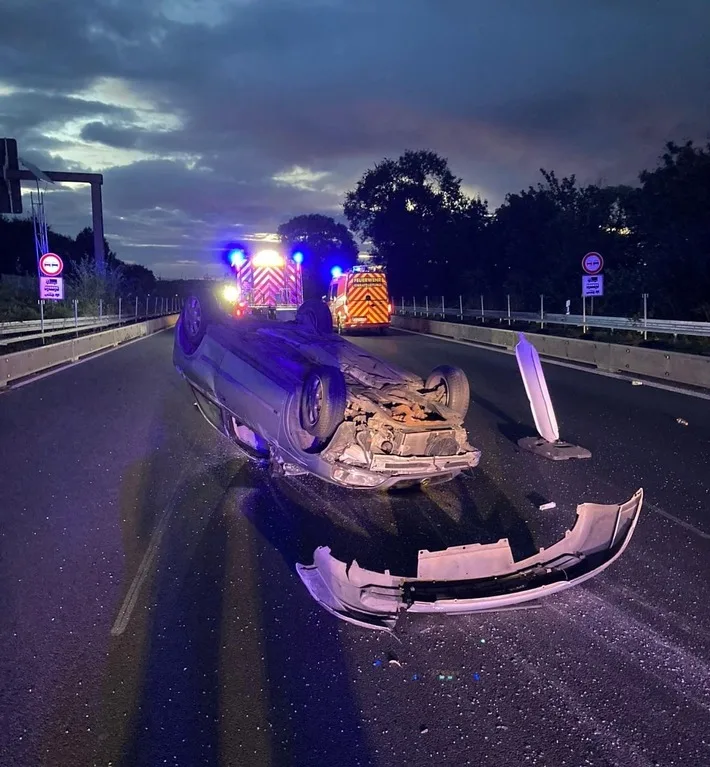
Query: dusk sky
[{"x": 220, "y": 118}]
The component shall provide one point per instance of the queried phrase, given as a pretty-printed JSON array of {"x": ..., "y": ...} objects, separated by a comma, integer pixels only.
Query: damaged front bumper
[{"x": 476, "y": 577}]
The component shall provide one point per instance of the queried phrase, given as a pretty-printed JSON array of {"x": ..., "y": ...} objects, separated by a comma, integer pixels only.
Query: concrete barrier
[
  {"x": 689, "y": 369},
  {"x": 18, "y": 365}
]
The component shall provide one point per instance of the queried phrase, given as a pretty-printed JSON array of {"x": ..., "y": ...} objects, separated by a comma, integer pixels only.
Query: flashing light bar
[
  {"x": 369, "y": 268},
  {"x": 336, "y": 272},
  {"x": 268, "y": 258}
]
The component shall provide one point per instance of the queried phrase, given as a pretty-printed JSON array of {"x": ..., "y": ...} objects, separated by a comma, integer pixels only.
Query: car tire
[
  {"x": 322, "y": 402},
  {"x": 316, "y": 316},
  {"x": 452, "y": 387},
  {"x": 196, "y": 314}
]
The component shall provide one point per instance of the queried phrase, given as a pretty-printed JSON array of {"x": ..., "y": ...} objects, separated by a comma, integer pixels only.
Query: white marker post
[{"x": 548, "y": 444}]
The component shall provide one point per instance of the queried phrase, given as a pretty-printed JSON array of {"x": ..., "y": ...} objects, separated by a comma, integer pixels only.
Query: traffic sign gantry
[
  {"x": 50, "y": 265},
  {"x": 593, "y": 263}
]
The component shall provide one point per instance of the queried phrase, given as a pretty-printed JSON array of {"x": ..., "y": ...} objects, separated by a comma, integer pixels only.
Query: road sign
[
  {"x": 592, "y": 263},
  {"x": 51, "y": 288},
  {"x": 50, "y": 265},
  {"x": 593, "y": 285},
  {"x": 10, "y": 191}
]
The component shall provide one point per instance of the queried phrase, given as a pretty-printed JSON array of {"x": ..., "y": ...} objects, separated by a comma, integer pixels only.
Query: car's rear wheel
[
  {"x": 316, "y": 316},
  {"x": 196, "y": 315},
  {"x": 449, "y": 386},
  {"x": 323, "y": 401}
]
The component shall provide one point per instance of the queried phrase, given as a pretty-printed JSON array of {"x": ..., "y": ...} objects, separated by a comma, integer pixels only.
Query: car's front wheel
[
  {"x": 323, "y": 401},
  {"x": 449, "y": 386}
]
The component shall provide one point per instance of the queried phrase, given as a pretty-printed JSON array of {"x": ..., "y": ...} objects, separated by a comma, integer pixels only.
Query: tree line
[
  {"x": 435, "y": 240},
  {"x": 18, "y": 257}
]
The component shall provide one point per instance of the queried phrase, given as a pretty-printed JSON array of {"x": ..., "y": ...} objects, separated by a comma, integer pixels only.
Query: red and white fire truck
[{"x": 267, "y": 280}]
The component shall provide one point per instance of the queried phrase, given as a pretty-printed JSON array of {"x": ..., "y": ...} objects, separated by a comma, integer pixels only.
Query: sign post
[
  {"x": 51, "y": 283},
  {"x": 592, "y": 282}
]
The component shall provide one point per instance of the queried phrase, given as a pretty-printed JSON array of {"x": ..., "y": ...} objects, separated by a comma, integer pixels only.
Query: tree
[
  {"x": 138, "y": 280},
  {"x": 421, "y": 224},
  {"x": 537, "y": 238},
  {"x": 325, "y": 243},
  {"x": 85, "y": 246},
  {"x": 669, "y": 218}
]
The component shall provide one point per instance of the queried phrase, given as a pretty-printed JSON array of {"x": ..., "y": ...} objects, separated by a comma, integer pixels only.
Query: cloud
[{"x": 209, "y": 118}]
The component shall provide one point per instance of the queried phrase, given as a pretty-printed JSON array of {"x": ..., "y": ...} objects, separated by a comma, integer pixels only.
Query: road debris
[
  {"x": 547, "y": 506},
  {"x": 681, "y": 421},
  {"x": 636, "y": 383}
]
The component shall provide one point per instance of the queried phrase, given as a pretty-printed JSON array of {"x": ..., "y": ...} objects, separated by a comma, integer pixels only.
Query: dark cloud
[{"x": 191, "y": 109}]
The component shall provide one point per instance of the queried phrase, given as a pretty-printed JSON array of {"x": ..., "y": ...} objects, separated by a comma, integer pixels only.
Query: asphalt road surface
[{"x": 150, "y": 613}]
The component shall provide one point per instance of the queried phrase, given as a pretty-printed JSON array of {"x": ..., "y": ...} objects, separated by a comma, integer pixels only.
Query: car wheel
[
  {"x": 323, "y": 400},
  {"x": 192, "y": 324},
  {"x": 449, "y": 386},
  {"x": 316, "y": 316}
]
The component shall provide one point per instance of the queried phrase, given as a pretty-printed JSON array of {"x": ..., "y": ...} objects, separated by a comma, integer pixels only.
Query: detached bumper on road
[{"x": 476, "y": 577}]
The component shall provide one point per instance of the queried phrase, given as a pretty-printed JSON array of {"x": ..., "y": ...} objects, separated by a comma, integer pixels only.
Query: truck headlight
[{"x": 230, "y": 293}]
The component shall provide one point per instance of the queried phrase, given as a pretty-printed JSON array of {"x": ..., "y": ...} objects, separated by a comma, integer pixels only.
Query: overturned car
[{"x": 304, "y": 400}]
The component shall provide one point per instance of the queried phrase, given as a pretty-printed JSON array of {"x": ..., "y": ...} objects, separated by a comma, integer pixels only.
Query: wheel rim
[
  {"x": 443, "y": 396},
  {"x": 193, "y": 317},
  {"x": 314, "y": 401}
]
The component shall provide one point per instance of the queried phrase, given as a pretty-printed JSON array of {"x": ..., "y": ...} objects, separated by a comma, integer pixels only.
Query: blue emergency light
[
  {"x": 336, "y": 272},
  {"x": 237, "y": 258}
]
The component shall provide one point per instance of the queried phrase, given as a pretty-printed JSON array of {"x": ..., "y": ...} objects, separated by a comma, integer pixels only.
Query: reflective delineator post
[
  {"x": 461, "y": 308},
  {"x": 101, "y": 309},
  {"x": 483, "y": 311},
  {"x": 402, "y": 304},
  {"x": 136, "y": 307},
  {"x": 426, "y": 305},
  {"x": 119, "y": 310},
  {"x": 147, "y": 309},
  {"x": 542, "y": 311},
  {"x": 76, "y": 312},
  {"x": 443, "y": 309},
  {"x": 414, "y": 305},
  {"x": 584, "y": 315},
  {"x": 509, "y": 316},
  {"x": 41, "y": 317}
]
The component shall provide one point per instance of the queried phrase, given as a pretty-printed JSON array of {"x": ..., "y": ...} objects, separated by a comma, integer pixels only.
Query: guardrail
[
  {"x": 29, "y": 330},
  {"x": 688, "y": 369},
  {"x": 542, "y": 318},
  {"x": 19, "y": 365}
]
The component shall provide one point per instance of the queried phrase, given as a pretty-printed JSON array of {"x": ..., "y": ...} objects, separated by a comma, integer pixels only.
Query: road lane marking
[
  {"x": 131, "y": 598},
  {"x": 563, "y": 364},
  {"x": 672, "y": 518}
]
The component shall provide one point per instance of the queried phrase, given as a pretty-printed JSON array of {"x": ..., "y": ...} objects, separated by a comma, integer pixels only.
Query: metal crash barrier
[
  {"x": 676, "y": 367},
  {"x": 19, "y": 365}
]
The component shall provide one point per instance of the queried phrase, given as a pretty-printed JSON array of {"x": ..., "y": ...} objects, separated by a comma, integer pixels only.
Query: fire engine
[
  {"x": 267, "y": 281},
  {"x": 359, "y": 300}
]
